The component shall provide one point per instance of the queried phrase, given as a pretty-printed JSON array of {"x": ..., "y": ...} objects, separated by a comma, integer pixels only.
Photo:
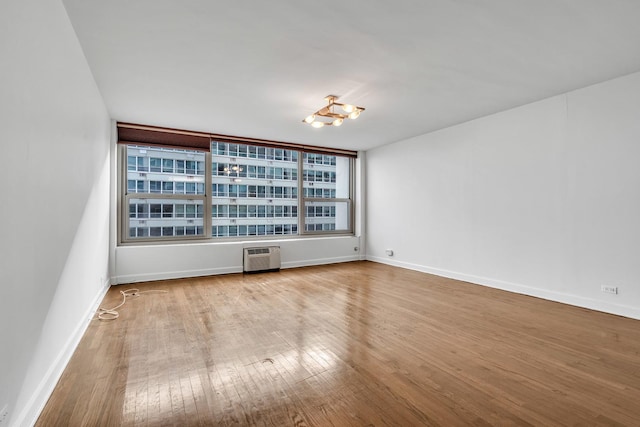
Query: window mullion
[
  {"x": 301, "y": 198},
  {"x": 208, "y": 197},
  {"x": 177, "y": 210}
]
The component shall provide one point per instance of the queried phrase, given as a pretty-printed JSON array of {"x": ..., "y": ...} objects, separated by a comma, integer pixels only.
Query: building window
[
  {"x": 327, "y": 193},
  {"x": 165, "y": 199},
  {"x": 254, "y": 191}
]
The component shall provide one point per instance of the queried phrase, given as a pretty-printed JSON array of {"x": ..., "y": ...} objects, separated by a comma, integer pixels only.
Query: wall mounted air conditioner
[{"x": 261, "y": 259}]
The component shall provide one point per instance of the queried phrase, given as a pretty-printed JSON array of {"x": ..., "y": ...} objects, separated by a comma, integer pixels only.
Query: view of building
[{"x": 255, "y": 191}]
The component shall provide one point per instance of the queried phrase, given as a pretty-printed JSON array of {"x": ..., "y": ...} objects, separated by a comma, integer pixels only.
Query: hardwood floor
[{"x": 348, "y": 344}]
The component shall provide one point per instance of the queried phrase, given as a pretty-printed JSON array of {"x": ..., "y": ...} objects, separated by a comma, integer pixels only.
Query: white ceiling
[{"x": 256, "y": 68}]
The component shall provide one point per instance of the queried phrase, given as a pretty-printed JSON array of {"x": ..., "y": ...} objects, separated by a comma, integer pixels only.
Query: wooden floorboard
[{"x": 347, "y": 344}]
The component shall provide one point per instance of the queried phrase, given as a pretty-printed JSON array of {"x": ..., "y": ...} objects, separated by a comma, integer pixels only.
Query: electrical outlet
[
  {"x": 609, "y": 289},
  {"x": 4, "y": 415},
  {"x": 389, "y": 252}
]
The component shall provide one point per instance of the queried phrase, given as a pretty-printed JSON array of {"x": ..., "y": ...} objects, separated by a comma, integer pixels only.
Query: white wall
[
  {"x": 543, "y": 199},
  {"x": 55, "y": 132},
  {"x": 155, "y": 262},
  {"x": 138, "y": 263}
]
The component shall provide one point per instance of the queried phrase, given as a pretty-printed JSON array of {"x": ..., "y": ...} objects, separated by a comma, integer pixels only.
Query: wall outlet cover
[{"x": 609, "y": 289}]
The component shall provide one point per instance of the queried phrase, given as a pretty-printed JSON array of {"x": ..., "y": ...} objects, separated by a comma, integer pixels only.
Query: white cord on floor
[{"x": 112, "y": 314}]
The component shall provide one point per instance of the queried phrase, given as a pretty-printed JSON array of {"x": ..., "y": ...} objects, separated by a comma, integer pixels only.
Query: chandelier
[
  {"x": 235, "y": 169},
  {"x": 329, "y": 112},
  {"x": 232, "y": 169}
]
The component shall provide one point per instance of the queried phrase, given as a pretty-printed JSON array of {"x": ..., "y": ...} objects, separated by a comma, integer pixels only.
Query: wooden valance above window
[
  {"x": 174, "y": 138},
  {"x": 129, "y": 133}
]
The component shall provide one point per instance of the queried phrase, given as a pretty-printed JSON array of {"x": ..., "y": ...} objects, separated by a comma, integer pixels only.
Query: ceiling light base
[{"x": 328, "y": 112}]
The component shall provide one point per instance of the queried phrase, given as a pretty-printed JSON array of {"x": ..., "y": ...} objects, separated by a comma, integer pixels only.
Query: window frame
[
  {"x": 125, "y": 197},
  {"x": 302, "y": 205},
  {"x": 253, "y": 147}
]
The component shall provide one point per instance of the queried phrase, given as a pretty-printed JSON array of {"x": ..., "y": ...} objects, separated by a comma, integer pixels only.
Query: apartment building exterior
[{"x": 253, "y": 191}]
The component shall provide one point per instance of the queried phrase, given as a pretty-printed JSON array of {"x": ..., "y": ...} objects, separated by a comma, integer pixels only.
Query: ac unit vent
[{"x": 261, "y": 259}]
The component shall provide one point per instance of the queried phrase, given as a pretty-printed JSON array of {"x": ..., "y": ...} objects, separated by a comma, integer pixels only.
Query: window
[
  {"x": 269, "y": 192},
  {"x": 327, "y": 193},
  {"x": 163, "y": 202}
]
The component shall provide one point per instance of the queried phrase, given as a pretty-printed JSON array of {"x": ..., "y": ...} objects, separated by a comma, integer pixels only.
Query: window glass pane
[
  {"x": 155, "y": 210},
  {"x": 142, "y": 210},
  {"x": 326, "y": 176},
  {"x": 155, "y": 164},
  {"x": 171, "y": 163},
  {"x": 179, "y": 166},
  {"x": 190, "y": 167},
  {"x": 260, "y": 196},
  {"x": 327, "y": 216},
  {"x": 143, "y": 164},
  {"x": 164, "y": 217},
  {"x": 247, "y": 196},
  {"x": 155, "y": 186}
]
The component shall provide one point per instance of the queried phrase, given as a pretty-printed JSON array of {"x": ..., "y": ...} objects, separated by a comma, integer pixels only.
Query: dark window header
[{"x": 129, "y": 133}]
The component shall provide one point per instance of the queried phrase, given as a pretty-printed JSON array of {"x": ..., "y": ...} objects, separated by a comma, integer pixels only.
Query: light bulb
[
  {"x": 348, "y": 108},
  {"x": 310, "y": 119},
  {"x": 317, "y": 124},
  {"x": 354, "y": 114},
  {"x": 337, "y": 122}
]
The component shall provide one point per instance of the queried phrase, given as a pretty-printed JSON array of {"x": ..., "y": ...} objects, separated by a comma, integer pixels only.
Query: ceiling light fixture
[
  {"x": 328, "y": 112},
  {"x": 235, "y": 169}
]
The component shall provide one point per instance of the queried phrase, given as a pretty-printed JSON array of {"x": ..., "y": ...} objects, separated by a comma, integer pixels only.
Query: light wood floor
[{"x": 348, "y": 344}]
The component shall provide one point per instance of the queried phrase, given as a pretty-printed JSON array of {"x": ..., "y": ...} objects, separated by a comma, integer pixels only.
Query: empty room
[{"x": 359, "y": 213}]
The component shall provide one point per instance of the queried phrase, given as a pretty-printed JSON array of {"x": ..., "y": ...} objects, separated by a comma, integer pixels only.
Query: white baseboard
[
  {"x": 320, "y": 261},
  {"x": 571, "y": 299},
  {"x": 166, "y": 275},
  {"x": 31, "y": 411}
]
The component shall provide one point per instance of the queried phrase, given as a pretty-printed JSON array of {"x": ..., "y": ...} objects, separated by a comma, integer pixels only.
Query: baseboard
[
  {"x": 166, "y": 275},
  {"x": 29, "y": 415},
  {"x": 571, "y": 299},
  {"x": 320, "y": 261},
  {"x": 135, "y": 278}
]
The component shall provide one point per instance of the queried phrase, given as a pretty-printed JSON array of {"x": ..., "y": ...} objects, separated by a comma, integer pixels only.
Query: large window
[
  {"x": 165, "y": 196},
  {"x": 233, "y": 190},
  {"x": 254, "y": 190},
  {"x": 326, "y": 192}
]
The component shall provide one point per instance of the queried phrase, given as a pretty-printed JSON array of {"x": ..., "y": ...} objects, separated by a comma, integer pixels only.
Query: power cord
[{"x": 112, "y": 313}]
